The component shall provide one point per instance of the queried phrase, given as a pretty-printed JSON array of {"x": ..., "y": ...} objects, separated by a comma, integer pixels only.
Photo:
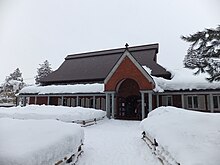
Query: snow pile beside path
[
  {"x": 33, "y": 142},
  {"x": 58, "y": 89},
  {"x": 66, "y": 114},
  {"x": 191, "y": 138}
]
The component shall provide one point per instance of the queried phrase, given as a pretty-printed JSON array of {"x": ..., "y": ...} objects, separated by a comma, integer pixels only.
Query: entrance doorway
[{"x": 128, "y": 100}]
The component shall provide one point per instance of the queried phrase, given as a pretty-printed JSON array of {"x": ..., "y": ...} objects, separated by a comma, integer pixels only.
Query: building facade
[{"x": 128, "y": 83}]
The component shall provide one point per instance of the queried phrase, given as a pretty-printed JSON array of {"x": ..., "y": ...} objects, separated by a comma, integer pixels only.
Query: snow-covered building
[{"x": 126, "y": 82}]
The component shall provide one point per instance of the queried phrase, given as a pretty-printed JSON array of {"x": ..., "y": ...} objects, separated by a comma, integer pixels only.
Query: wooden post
[
  {"x": 77, "y": 101},
  {"x": 211, "y": 102},
  {"x": 182, "y": 101},
  {"x": 48, "y": 100},
  {"x": 24, "y": 100},
  {"x": 94, "y": 102},
  {"x": 142, "y": 106},
  {"x": 107, "y": 105},
  {"x": 113, "y": 105},
  {"x": 35, "y": 100},
  {"x": 149, "y": 101},
  {"x": 62, "y": 100},
  {"x": 158, "y": 101}
]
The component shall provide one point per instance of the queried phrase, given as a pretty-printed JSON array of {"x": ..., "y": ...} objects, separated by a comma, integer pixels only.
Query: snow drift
[
  {"x": 34, "y": 142},
  {"x": 188, "y": 137},
  {"x": 66, "y": 114}
]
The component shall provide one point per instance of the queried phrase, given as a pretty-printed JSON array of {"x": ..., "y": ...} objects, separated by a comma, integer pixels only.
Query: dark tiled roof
[{"x": 95, "y": 66}]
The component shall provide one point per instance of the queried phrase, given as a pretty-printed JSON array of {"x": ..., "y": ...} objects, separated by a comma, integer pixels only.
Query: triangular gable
[{"x": 134, "y": 61}]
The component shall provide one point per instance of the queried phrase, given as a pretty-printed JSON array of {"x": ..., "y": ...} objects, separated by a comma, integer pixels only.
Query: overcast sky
[{"x": 32, "y": 31}]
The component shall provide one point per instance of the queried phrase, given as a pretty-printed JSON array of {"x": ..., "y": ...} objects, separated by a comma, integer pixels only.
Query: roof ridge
[{"x": 112, "y": 51}]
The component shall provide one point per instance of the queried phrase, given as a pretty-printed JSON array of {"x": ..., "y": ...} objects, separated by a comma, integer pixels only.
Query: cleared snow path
[{"x": 115, "y": 142}]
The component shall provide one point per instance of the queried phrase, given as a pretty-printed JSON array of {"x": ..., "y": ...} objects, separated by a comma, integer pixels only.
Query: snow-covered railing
[
  {"x": 8, "y": 105},
  {"x": 71, "y": 159},
  {"x": 179, "y": 136},
  {"x": 164, "y": 156},
  {"x": 58, "y": 143},
  {"x": 85, "y": 123},
  {"x": 79, "y": 115}
]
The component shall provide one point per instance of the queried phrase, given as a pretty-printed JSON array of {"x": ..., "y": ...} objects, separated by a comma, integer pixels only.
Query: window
[
  {"x": 98, "y": 105},
  {"x": 91, "y": 103},
  {"x": 73, "y": 102},
  {"x": 167, "y": 100},
  {"x": 64, "y": 101},
  {"x": 59, "y": 101},
  {"x": 193, "y": 102},
  {"x": 216, "y": 102}
]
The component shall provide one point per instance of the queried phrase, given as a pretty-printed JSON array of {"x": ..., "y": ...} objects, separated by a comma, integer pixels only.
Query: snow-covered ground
[
  {"x": 188, "y": 137},
  {"x": 34, "y": 142},
  {"x": 67, "y": 114},
  {"x": 115, "y": 142}
]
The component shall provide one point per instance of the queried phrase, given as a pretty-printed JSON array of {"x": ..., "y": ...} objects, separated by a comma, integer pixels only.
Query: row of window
[
  {"x": 84, "y": 102},
  {"x": 194, "y": 101}
]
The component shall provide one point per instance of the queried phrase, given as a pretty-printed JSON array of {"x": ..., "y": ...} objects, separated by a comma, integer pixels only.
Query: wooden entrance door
[{"x": 128, "y": 100}]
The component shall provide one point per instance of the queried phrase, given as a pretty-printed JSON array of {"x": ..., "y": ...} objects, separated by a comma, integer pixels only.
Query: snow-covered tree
[
  {"x": 13, "y": 83},
  {"x": 16, "y": 75},
  {"x": 204, "y": 53},
  {"x": 43, "y": 71}
]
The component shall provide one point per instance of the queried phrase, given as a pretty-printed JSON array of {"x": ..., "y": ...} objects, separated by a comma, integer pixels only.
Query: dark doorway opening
[{"x": 128, "y": 100}]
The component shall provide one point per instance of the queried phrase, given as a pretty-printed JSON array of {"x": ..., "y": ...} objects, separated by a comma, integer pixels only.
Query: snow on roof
[
  {"x": 56, "y": 89},
  {"x": 183, "y": 79}
]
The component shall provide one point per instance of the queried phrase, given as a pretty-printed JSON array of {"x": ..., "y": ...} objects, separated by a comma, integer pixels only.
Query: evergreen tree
[
  {"x": 43, "y": 71},
  {"x": 16, "y": 75},
  {"x": 204, "y": 53},
  {"x": 12, "y": 85}
]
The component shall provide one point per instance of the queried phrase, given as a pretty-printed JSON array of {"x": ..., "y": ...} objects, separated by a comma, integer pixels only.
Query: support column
[
  {"x": 17, "y": 100},
  {"x": 35, "y": 100},
  {"x": 182, "y": 101},
  {"x": 142, "y": 106},
  {"x": 113, "y": 105},
  {"x": 158, "y": 101},
  {"x": 107, "y": 101},
  {"x": 24, "y": 101},
  {"x": 211, "y": 102},
  {"x": 48, "y": 100},
  {"x": 62, "y": 100},
  {"x": 77, "y": 101},
  {"x": 149, "y": 101},
  {"x": 94, "y": 102}
]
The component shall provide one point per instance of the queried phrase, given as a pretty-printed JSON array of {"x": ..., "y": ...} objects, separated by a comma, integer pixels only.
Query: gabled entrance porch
[{"x": 128, "y": 89}]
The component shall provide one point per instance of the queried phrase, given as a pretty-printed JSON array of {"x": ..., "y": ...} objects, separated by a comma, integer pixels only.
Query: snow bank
[
  {"x": 33, "y": 142},
  {"x": 67, "y": 114},
  {"x": 190, "y": 137},
  {"x": 58, "y": 89},
  {"x": 7, "y": 104}
]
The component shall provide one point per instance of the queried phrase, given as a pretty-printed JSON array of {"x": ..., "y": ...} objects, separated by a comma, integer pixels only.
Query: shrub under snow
[
  {"x": 34, "y": 142},
  {"x": 67, "y": 114},
  {"x": 187, "y": 137}
]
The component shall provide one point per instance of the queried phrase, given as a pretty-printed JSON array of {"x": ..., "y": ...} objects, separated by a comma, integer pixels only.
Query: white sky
[{"x": 32, "y": 31}]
